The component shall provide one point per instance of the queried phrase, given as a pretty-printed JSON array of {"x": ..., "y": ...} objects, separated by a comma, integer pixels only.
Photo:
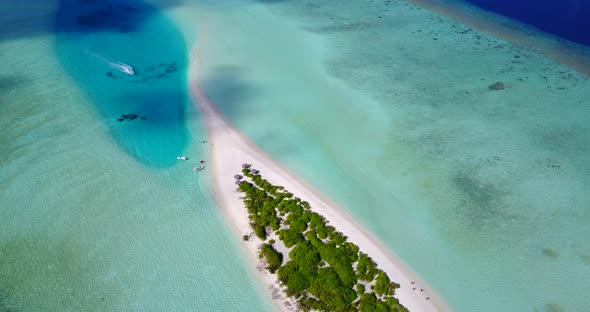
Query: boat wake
[{"x": 114, "y": 64}]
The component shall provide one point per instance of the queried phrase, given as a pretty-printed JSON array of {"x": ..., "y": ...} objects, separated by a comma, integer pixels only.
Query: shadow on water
[
  {"x": 229, "y": 90},
  {"x": 8, "y": 83},
  {"x": 98, "y": 42}
]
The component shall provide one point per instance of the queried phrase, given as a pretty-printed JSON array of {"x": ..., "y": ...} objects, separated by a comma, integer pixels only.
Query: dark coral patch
[
  {"x": 496, "y": 86},
  {"x": 550, "y": 253},
  {"x": 129, "y": 117}
]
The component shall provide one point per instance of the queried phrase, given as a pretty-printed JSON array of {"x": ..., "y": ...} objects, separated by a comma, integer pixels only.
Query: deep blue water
[
  {"x": 92, "y": 33},
  {"x": 569, "y": 19}
]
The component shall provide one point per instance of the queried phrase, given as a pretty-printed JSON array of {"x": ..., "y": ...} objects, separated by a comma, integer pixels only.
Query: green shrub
[
  {"x": 309, "y": 304},
  {"x": 351, "y": 251},
  {"x": 322, "y": 270},
  {"x": 370, "y": 303},
  {"x": 316, "y": 220},
  {"x": 306, "y": 217},
  {"x": 305, "y": 254},
  {"x": 290, "y": 237},
  {"x": 328, "y": 288},
  {"x": 383, "y": 286},
  {"x": 259, "y": 230},
  {"x": 337, "y": 238},
  {"x": 394, "y": 305},
  {"x": 296, "y": 211},
  {"x": 309, "y": 235},
  {"x": 360, "y": 289},
  {"x": 366, "y": 268},
  {"x": 298, "y": 226},
  {"x": 293, "y": 277},
  {"x": 338, "y": 261},
  {"x": 273, "y": 258}
]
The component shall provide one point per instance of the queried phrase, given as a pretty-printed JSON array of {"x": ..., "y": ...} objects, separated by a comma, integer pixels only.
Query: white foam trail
[{"x": 120, "y": 66}]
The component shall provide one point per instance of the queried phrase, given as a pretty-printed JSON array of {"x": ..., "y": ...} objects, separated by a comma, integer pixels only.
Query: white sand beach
[{"x": 229, "y": 149}]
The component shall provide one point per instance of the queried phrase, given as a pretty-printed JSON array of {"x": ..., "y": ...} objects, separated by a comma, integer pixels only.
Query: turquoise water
[
  {"x": 93, "y": 33},
  {"x": 97, "y": 214},
  {"x": 387, "y": 108}
]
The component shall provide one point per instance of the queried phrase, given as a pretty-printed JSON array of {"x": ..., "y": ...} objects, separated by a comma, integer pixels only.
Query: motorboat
[
  {"x": 126, "y": 68},
  {"x": 114, "y": 64},
  {"x": 182, "y": 158},
  {"x": 120, "y": 66},
  {"x": 199, "y": 168}
]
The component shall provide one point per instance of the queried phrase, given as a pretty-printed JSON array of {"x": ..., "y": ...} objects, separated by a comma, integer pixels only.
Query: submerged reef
[
  {"x": 550, "y": 253},
  {"x": 130, "y": 117},
  {"x": 324, "y": 271},
  {"x": 143, "y": 75},
  {"x": 160, "y": 71},
  {"x": 496, "y": 86}
]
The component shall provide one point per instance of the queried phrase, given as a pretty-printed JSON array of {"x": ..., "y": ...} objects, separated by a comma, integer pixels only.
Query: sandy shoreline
[{"x": 229, "y": 149}]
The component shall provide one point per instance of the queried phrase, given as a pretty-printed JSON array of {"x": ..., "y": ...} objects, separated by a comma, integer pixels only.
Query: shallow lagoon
[
  {"x": 388, "y": 108},
  {"x": 384, "y": 107},
  {"x": 98, "y": 214},
  {"x": 95, "y": 37}
]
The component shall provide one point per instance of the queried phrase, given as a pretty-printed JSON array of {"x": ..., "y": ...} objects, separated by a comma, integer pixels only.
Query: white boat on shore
[
  {"x": 199, "y": 168},
  {"x": 182, "y": 158}
]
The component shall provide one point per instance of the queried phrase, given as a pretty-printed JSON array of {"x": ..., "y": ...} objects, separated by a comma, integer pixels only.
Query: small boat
[
  {"x": 182, "y": 158},
  {"x": 120, "y": 66},
  {"x": 199, "y": 168}
]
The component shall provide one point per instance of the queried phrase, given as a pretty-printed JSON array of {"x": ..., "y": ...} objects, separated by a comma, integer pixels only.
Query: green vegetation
[
  {"x": 366, "y": 268},
  {"x": 325, "y": 271},
  {"x": 273, "y": 258},
  {"x": 383, "y": 286},
  {"x": 360, "y": 289}
]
